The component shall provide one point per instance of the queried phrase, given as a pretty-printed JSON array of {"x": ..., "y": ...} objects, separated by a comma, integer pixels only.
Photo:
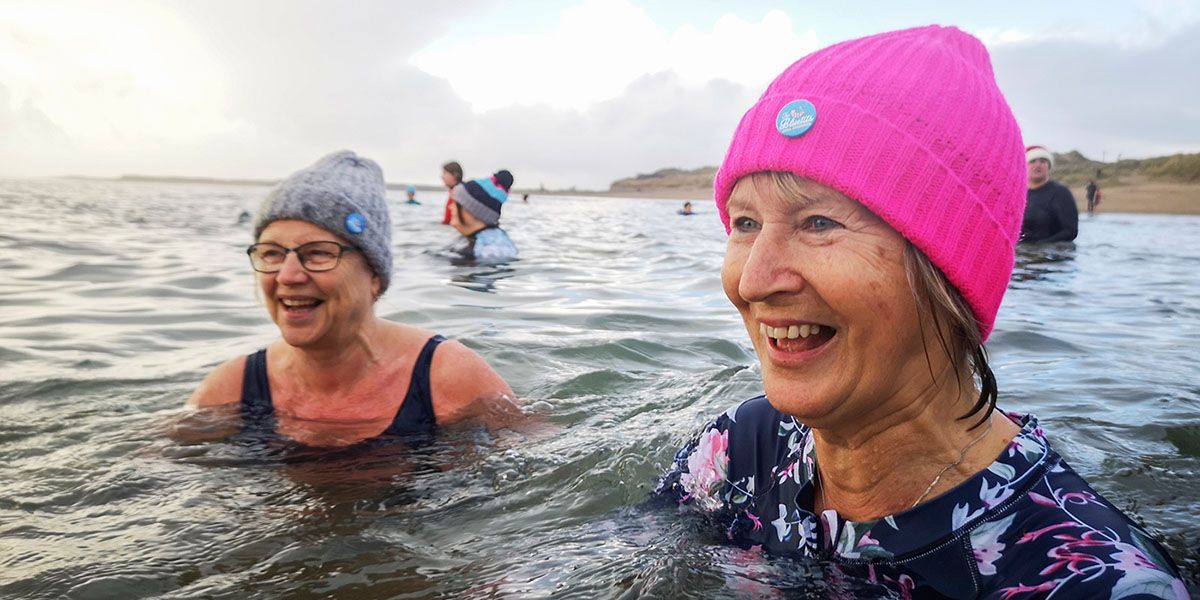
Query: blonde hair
[{"x": 957, "y": 330}]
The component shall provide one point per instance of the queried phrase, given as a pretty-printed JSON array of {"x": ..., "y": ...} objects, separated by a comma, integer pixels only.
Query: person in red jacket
[{"x": 452, "y": 175}]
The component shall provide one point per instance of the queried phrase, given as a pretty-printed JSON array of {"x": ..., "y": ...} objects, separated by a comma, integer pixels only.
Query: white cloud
[
  {"x": 993, "y": 36},
  {"x": 1104, "y": 98},
  {"x": 259, "y": 89},
  {"x": 599, "y": 47},
  {"x": 103, "y": 73}
]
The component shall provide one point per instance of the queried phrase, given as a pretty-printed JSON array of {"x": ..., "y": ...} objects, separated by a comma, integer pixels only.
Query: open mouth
[
  {"x": 799, "y": 337},
  {"x": 299, "y": 306}
]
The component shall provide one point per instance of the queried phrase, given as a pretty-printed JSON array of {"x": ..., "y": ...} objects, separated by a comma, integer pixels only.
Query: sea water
[{"x": 117, "y": 298}]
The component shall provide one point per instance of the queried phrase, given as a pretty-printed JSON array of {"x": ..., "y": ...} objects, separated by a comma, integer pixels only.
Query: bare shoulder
[
  {"x": 464, "y": 385},
  {"x": 222, "y": 386}
]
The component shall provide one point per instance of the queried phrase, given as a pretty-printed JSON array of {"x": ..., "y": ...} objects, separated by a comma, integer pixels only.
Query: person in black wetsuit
[
  {"x": 1050, "y": 212},
  {"x": 339, "y": 374},
  {"x": 1093, "y": 196}
]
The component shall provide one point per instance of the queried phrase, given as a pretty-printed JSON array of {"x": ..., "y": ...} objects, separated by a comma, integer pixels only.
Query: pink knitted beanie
[{"x": 912, "y": 125}]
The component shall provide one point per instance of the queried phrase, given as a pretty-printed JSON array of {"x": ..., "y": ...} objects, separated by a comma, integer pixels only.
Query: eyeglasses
[{"x": 314, "y": 256}]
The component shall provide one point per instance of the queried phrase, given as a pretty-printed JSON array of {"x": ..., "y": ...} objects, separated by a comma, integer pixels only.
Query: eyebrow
[{"x": 738, "y": 199}]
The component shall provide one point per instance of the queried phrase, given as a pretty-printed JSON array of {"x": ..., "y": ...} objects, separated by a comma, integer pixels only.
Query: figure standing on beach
[
  {"x": 687, "y": 209},
  {"x": 476, "y": 215},
  {"x": 452, "y": 175},
  {"x": 1093, "y": 196},
  {"x": 411, "y": 192},
  {"x": 868, "y": 282},
  {"x": 339, "y": 374},
  {"x": 1050, "y": 211}
]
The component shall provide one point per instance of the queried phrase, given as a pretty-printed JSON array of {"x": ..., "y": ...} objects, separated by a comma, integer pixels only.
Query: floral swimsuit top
[{"x": 1026, "y": 527}]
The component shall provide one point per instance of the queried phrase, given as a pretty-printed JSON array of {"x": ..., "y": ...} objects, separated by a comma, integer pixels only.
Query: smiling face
[
  {"x": 820, "y": 283},
  {"x": 315, "y": 310}
]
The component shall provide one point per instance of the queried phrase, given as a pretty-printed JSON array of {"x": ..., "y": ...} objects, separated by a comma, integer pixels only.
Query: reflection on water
[
  {"x": 480, "y": 277},
  {"x": 612, "y": 326},
  {"x": 1039, "y": 261}
]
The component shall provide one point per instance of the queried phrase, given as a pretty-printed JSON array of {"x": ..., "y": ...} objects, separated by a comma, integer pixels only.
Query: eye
[
  {"x": 820, "y": 223},
  {"x": 745, "y": 224},
  {"x": 270, "y": 254},
  {"x": 320, "y": 254}
]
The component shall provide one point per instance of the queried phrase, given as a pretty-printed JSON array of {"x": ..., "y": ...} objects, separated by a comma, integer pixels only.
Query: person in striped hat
[{"x": 476, "y": 215}]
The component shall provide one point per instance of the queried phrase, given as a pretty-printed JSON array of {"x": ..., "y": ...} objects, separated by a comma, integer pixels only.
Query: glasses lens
[
  {"x": 319, "y": 256},
  {"x": 266, "y": 258}
]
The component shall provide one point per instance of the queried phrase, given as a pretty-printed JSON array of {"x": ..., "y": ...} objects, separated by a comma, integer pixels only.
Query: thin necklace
[{"x": 961, "y": 455}]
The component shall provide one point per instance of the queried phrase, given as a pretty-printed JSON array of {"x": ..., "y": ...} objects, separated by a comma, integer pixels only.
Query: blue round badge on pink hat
[
  {"x": 796, "y": 118},
  {"x": 356, "y": 223}
]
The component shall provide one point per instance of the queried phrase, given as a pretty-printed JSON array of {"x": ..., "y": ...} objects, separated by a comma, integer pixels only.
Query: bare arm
[
  {"x": 222, "y": 386},
  {"x": 464, "y": 386},
  {"x": 463, "y": 221}
]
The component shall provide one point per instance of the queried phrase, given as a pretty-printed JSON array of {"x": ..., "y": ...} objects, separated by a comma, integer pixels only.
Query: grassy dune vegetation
[{"x": 1165, "y": 184}]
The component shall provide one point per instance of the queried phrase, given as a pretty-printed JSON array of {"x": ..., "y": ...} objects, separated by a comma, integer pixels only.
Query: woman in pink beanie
[{"x": 873, "y": 198}]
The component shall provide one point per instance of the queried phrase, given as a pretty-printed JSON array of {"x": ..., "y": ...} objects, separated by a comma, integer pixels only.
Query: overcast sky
[{"x": 563, "y": 93}]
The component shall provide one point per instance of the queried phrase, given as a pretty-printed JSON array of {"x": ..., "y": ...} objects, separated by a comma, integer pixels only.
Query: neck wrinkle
[
  {"x": 339, "y": 366},
  {"x": 879, "y": 469}
]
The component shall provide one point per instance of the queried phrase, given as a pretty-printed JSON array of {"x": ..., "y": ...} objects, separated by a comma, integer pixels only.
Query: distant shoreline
[{"x": 1134, "y": 194}]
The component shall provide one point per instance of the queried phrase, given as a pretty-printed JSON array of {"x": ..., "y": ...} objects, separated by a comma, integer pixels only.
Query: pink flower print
[
  {"x": 1045, "y": 586},
  {"x": 866, "y": 540},
  {"x": 1023, "y": 444},
  {"x": 1130, "y": 558},
  {"x": 985, "y": 540},
  {"x": 755, "y": 520},
  {"x": 1078, "y": 497},
  {"x": 707, "y": 467},
  {"x": 1040, "y": 499},
  {"x": 1075, "y": 562},
  {"x": 1033, "y": 535}
]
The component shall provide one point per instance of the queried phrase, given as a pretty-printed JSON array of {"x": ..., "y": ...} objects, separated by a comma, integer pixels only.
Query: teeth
[
  {"x": 297, "y": 303},
  {"x": 790, "y": 332}
]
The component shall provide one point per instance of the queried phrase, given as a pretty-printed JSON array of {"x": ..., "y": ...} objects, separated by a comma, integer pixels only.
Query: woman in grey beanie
[{"x": 339, "y": 374}]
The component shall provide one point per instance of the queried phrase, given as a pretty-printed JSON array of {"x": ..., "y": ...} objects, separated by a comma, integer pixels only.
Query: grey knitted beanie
[{"x": 344, "y": 194}]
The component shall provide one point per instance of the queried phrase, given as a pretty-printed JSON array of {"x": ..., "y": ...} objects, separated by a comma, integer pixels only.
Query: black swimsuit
[{"x": 415, "y": 414}]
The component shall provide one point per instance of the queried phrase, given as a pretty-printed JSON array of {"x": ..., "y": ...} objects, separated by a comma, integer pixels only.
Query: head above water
[
  {"x": 1033, "y": 153},
  {"x": 452, "y": 174},
  {"x": 912, "y": 125},
  {"x": 484, "y": 198},
  {"x": 343, "y": 194}
]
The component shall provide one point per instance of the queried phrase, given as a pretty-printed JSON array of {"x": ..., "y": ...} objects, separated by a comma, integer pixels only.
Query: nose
[
  {"x": 772, "y": 266},
  {"x": 292, "y": 272}
]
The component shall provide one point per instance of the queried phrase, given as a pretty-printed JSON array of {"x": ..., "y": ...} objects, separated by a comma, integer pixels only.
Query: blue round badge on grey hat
[
  {"x": 796, "y": 118},
  {"x": 355, "y": 223}
]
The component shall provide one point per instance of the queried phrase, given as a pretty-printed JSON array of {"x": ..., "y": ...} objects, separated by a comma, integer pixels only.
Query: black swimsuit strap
[
  {"x": 257, "y": 410},
  {"x": 416, "y": 412}
]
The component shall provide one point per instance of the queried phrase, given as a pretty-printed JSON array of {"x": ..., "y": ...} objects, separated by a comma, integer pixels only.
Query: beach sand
[
  {"x": 1134, "y": 194},
  {"x": 1137, "y": 195}
]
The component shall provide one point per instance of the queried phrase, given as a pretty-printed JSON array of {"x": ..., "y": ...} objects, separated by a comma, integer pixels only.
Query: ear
[{"x": 376, "y": 286}]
